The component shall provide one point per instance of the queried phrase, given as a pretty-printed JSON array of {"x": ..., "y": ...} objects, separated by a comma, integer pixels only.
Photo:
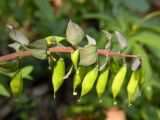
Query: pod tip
[
  {"x": 79, "y": 100},
  {"x": 115, "y": 103},
  {"x": 61, "y": 59},
  {"x": 100, "y": 101},
  {"x": 129, "y": 105},
  {"x": 16, "y": 99},
  {"x": 74, "y": 93},
  {"x": 54, "y": 96}
]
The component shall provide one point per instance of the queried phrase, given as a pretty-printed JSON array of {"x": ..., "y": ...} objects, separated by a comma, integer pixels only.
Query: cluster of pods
[{"x": 87, "y": 76}]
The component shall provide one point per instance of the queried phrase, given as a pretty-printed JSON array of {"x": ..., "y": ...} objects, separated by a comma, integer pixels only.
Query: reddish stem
[{"x": 64, "y": 50}]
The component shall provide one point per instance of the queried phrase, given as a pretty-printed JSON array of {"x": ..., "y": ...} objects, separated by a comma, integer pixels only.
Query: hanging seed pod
[
  {"x": 74, "y": 58},
  {"x": 118, "y": 81},
  {"x": 102, "y": 82},
  {"x": 78, "y": 77},
  {"x": 132, "y": 85},
  {"x": 16, "y": 84},
  {"x": 58, "y": 74},
  {"x": 141, "y": 77},
  {"x": 89, "y": 81}
]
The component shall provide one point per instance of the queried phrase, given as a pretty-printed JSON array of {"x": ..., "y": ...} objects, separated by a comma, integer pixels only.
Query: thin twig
[{"x": 63, "y": 50}]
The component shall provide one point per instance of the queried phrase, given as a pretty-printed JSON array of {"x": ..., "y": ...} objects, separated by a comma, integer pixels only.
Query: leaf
[
  {"x": 16, "y": 46},
  {"x": 121, "y": 40},
  {"x": 88, "y": 55},
  {"x": 102, "y": 66},
  {"x": 91, "y": 41},
  {"x": 38, "y": 49},
  {"x": 149, "y": 39},
  {"x": 9, "y": 66},
  {"x": 39, "y": 53},
  {"x": 39, "y": 44},
  {"x": 137, "y": 5},
  {"x": 53, "y": 40},
  {"x": 108, "y": 45},
  {"x": 4, "y": 91},
  {"x": 18, "y": 37},
  {"x": 26, "y": 71},
  {"x": 69, "y": 73},
  {"x": 74, "y": 33},
  {"x": 45, "y": 10},
  {"x": 137, "y": 49},
  {"x": 106, "y": 62},
  {"x": 109, "y": 36},
  {"x": 59, "y": 39},
  {"x": 136, "y": 64}
]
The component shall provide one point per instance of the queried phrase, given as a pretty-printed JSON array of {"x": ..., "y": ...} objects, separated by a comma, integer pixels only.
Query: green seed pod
[
  {"x": 78, "y": 77},
  {"x": 74, "y": 58},
  {"x": 141, "y": 77},
  {"x": 118, "y": 81},
  {"x": 89, "y": 81},
  {"x": 16, "y": 84},
  {"x": 58, "y": 74},
  {"x": 102, "y": 82},
  {"x": 132, "y": 85}
]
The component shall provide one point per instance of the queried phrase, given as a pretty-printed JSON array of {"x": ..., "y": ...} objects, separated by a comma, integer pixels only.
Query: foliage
[{"x": 142, "y": 35}]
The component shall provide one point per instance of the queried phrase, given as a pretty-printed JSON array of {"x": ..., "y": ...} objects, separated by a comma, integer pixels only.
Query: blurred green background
[{"x": 137, "y": 20}]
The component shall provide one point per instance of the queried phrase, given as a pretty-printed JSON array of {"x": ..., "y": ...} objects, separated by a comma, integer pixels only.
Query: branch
[{"x": 64, "y": 50}]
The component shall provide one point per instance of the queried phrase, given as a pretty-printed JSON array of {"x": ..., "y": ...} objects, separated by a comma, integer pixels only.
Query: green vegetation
[{"x": 137, "y": 20}]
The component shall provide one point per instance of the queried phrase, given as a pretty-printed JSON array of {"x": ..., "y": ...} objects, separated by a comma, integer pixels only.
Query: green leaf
[
  {"x": 4, "y": 91},
  {"x": 58, "y": 39},
  {"x": 74, "y": 33},
  {"x": 88, "y": 55},
  {"x": 103, "y": 61},
  {"x": 137, "y": 49},
  {"x": 107, "y": 34},
  {"x": 39, "y": 53},
  {"x": 16, "y": 46},
  {"x": 149, "y": 39},
  {"x": 26, "y": 71},
  {"x": 9, "y": 66},
  {"x": 39, "y": 44},
  {"x": 45, "y": 10},
  {"x": 109, "y": 37},
  {"x": 137, "y": 5},
  {"x": 38, "y": 49},
  {"x": 91, "y": 41},
  {"x": 53, "y": 40},
  {"x": 18, "y": 37}
]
